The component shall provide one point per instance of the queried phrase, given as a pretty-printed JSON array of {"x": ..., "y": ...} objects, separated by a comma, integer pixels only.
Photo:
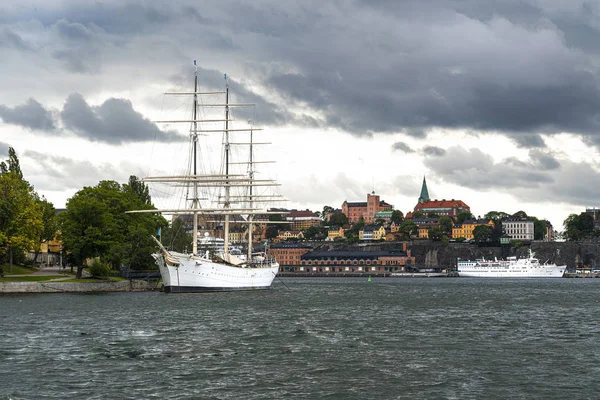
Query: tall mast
[
  {"x": 195, "y": 142},
  {"x": 250, "y": 205},
  {"x": 227, "y": 146}
]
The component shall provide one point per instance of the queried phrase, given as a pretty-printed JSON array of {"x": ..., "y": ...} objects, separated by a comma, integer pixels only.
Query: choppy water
[{"x": 322, "y": 338}]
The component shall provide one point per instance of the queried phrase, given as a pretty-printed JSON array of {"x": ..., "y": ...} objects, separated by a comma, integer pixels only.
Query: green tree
[
  {"x": 175, "y": 237},
  {"x": 315, "y": 233},
  {"x": 408, "y": 228},
  {"x": 417, "y": 214},
  {"x": 379, "y": 222},
  {"x": 354, "y": 229},
  {"x": 397, "y": 217},
  {"x": 20, "y": 214},
  {"x": 435, "y": 233},
  {"x": 520, "y": 214},
  {"x": 539, "y": 228},
  {"x": 49, "y": 223},
  {"x": 338, "y": 219},
  {"x": 578, "y": 227},
  {"x": 326, "y": 211},
  {"x": 482, "y": 233},
  {"x": 446, "y": 225},
  {"x": 139, "y": 188},
  {"x": 463, "y": 216},
  {"x": 96, "y": 224}
]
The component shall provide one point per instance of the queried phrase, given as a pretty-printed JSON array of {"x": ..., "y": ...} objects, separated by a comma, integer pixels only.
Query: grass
[
  {"x": 18, "y": 270},
  {"x": 29, "y": 278}
]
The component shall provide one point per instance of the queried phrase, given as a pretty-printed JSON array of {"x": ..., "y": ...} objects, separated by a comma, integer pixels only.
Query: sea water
[{"x": 321, "y": 338}]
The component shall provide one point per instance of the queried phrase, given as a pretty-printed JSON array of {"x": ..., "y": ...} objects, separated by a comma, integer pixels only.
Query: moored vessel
[
  {"x": 220, "y": 194},
  {"x": 529, "y": 267}
]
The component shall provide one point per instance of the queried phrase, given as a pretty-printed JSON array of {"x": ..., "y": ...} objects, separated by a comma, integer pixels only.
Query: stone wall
[{"x": 75, "y": 287}]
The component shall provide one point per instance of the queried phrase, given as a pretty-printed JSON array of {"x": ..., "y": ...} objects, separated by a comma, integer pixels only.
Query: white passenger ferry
[{"x": 512, "y": 267}]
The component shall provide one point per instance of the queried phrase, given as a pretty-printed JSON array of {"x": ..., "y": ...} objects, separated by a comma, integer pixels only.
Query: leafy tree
[
  {"x": 20, "y": 215},
  {"x": 175, "y": 237},
  {"x": 496, "y": 215},
  {"x": 379, "y": 222},
  {"x": 278, "y": 218},
  {"x": 417, "y": 214},
  {"x": 397, "y": 216},
  {"x": 140, "y": 189},
  {"x": 539, "y": 228},
  {"x": 446, "y": 225},
  {"x": 315, "y": 233},
  {"x": 433, "y": 215},
  {"x": 326, "y": 211},
  {"x": 49, "y": 223},
  {"x": 520, "y": 214},
  {"x": 578, "y": 226},
  {"x": 272, "y": 232},
  {"x": 482, "y": 233},
  {"x": 435, "y": 233},
  {"x": 338, "y": 219},
  {"x": 96, "y": 224},
  {"x": 353, "y": 231},
  {"x": 408, "y": 228},
  {"x": 463, "y": 216}
]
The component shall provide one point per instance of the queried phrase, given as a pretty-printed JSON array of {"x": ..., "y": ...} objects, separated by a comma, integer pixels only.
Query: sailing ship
[
  {"x": 229, "y": 193},
  {"x": 529, "y": 267}
]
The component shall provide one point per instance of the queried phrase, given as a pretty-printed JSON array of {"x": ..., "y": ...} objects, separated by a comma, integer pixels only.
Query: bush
[{"x": 98, "y": 268}]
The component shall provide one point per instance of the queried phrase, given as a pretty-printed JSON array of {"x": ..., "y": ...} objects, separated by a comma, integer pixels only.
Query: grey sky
[{"x": 523, "y": 69}]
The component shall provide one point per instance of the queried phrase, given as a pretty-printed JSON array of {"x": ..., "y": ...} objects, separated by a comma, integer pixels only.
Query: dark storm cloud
[
  {"x": 433, "y": 151},
  {"x": 403, "y": 147},
  {"x": 528, "y": 141},
  {"x": 31, "y": 115},
  {"x": 114, "y": 122},
  {"x": 477, "y": 170},
  {"x": 520, "y": 67},
  {"x": 263, "y": 111}
]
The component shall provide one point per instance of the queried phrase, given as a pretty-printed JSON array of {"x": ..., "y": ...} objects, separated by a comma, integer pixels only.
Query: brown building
[
  {"x": 302, "y": 219},
  {"x": 365, "y": 210},
  {"x": 368, "y": 262},
  {"x": 288, "y": 254}
]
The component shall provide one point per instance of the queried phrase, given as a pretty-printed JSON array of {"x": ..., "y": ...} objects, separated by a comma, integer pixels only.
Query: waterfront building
[
  {"x": 355, "y": 261},
  {"x": 518, "y": 228},
  {"x": 465, "y": 230},
  {"x": 365, "y": 210},
  {"x": 288, "y": 254}
]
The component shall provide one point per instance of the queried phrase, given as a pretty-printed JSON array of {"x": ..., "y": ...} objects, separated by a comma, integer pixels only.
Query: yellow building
[
  {"x": 287, "y": 235},
  {"x": 335, "y": 232},
  {"x": 465, "y": 230},
  {"x": 371, "y": 232}
]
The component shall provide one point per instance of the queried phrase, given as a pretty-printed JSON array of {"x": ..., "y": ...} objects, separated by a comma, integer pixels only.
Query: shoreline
[{"x": 77, "y": 287}]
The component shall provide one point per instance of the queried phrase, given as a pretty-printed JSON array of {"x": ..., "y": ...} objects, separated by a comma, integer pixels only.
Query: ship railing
[{"x": 262, "y": 260}]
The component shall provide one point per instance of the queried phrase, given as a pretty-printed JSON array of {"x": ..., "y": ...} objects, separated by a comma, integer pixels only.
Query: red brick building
[{"x": 355, "y": 210}]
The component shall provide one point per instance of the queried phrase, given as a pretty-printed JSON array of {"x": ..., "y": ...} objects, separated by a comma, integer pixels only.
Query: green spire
[{"x": 424, "y": 192}]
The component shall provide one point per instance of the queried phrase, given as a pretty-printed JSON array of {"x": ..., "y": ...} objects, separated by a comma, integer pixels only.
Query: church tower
[{"x": 424, "y": 192}]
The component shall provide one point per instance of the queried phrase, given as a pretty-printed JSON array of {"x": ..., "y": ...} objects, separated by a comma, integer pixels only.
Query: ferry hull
[
  {"x": 194, "y": 274},
  {"x": 553, "y": 272}
]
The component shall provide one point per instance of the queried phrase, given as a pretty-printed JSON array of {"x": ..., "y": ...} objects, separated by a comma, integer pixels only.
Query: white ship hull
[
  {"x": 553, "y": 271},
  {"x": 197, "y": 274}
]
